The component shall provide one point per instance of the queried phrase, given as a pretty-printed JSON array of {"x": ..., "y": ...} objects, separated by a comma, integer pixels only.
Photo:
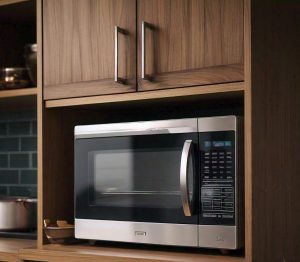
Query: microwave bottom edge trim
[
  {"x": 218, "y": 236},
  {"x": 189, "y": 235}
]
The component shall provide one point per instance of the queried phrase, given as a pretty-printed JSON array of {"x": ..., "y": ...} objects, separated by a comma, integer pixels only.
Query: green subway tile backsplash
[
  {"x": 34, "y": 160},
  {"x": 19, "y": 160},
  {"x": 3, "y": 160},
  {"x": 3, "y": 191},
  {"x": 18, "y": 154},
  {"x": 29, "y": 176},
  {"x": 19, "y": 128},
  {"x": 3, "y": 129},
  {"x": 34, "y": 127},
  {"x": 9, "y": 176},
  {"x": 23, "y": 191},
  {"x": 28, "y": 143},
  {"x": 8, "y": 144}
]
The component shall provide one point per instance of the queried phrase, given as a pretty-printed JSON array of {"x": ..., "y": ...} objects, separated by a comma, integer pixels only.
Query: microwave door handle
[{"x": 185, "y": 155}]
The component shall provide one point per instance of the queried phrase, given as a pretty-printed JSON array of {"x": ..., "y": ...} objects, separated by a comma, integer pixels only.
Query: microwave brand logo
[
  {"x": 220, "y": 238},
  {"x": 140, "y": 233}
]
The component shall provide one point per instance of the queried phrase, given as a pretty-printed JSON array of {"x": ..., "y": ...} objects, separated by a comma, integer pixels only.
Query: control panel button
[
  {"x": 227, "y": 205},
  {"x": 227, "y": 209}
]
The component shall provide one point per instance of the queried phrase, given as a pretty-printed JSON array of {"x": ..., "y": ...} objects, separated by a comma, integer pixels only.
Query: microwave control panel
[{"x": 217, "y": 178}]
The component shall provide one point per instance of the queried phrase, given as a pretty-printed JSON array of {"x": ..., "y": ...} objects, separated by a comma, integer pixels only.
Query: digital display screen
[
  {"x": 207, "y": 143},
  {"x": 217, "y": 144}
]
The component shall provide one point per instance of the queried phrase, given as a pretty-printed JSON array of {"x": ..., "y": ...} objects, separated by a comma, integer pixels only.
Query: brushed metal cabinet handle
[
  {"x": 117, "y": 78},
  {"x": 144, "y": 26},
  {"x": 185, "y": 156}
]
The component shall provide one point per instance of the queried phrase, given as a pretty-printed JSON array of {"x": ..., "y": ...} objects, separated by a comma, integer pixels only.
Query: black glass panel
[
  {"x": 217, "y": 182},
  {"x": 125, "y": 178},
  {"x": 132, "y": 178}
]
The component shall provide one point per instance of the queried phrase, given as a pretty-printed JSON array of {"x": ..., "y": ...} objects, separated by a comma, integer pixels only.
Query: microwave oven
[{"x": 168, "y": 182}]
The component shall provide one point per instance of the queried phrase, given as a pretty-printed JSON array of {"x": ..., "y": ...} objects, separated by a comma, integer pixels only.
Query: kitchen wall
[{"x": 18, "y": 153}]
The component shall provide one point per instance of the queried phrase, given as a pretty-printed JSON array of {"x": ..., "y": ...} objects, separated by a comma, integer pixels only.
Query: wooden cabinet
[
  {"x": 79, "y": 47},
  {"x": 189, "y": 42},
  {"x": 180, "y": 43}
]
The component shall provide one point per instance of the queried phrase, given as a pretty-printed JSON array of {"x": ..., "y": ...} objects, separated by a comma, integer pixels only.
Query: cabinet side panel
[{"x": 276, "y": 130}]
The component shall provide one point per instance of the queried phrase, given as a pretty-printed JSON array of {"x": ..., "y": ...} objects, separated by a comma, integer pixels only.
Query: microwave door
[{"x": 133, "y": 186}]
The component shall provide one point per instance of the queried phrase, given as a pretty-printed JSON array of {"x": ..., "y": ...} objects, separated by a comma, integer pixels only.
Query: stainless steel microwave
[{"x": 171, "y": 182}]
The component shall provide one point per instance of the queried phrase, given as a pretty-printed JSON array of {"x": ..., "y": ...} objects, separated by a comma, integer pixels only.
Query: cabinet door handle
[
  {"x": 145, "y": 25},
  {"x": 117, "y": 78}
]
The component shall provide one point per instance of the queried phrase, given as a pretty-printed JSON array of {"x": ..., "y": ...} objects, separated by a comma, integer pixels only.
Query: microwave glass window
[
  {"x": 126, "y": 177},
  {"x": 135, "y": 178}
]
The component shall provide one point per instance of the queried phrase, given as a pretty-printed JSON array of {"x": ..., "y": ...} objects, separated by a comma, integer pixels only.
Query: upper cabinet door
[
  {"x": 89, "y": 47},
  {"x": 189, "y": 42}
]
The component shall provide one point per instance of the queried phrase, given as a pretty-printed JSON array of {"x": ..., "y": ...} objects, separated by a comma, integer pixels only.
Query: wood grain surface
[
  {"x": 275, "y": 139},
  {"x": 9, "y": 248},
  {"x": 18, "y": 92},
  {"x": 40, "y": 124},
  {"x": 217, "y": 91},
  {"x": 79, "y": 47},
  {"x": 186, "y": 36},
  {"x": 18, "y": 99},
  {"x": 9, "y": 2},
  {"x": 248, "y": 132},
  {"x": 77, "y": 253},
  {"x": 204, "y": 76},
  {"x": 85, "y": 88}
]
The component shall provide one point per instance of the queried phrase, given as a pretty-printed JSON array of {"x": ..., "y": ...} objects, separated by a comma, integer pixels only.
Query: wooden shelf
[
  {"x": 18, "y": 92},
  {"x": 9, "y": 2},
  {"x": 216, "y": 91},
  {"x": 18, "y": 99},
  {"x": 90, "y": 253},
  {"x": 9, "y": 248}
]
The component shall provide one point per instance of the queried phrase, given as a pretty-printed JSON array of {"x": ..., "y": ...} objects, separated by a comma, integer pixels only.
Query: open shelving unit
[
  {"x": 59, "y": 123},
  {"x": 17, "y": 28},
  {"x": 270, "y": 106}
]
